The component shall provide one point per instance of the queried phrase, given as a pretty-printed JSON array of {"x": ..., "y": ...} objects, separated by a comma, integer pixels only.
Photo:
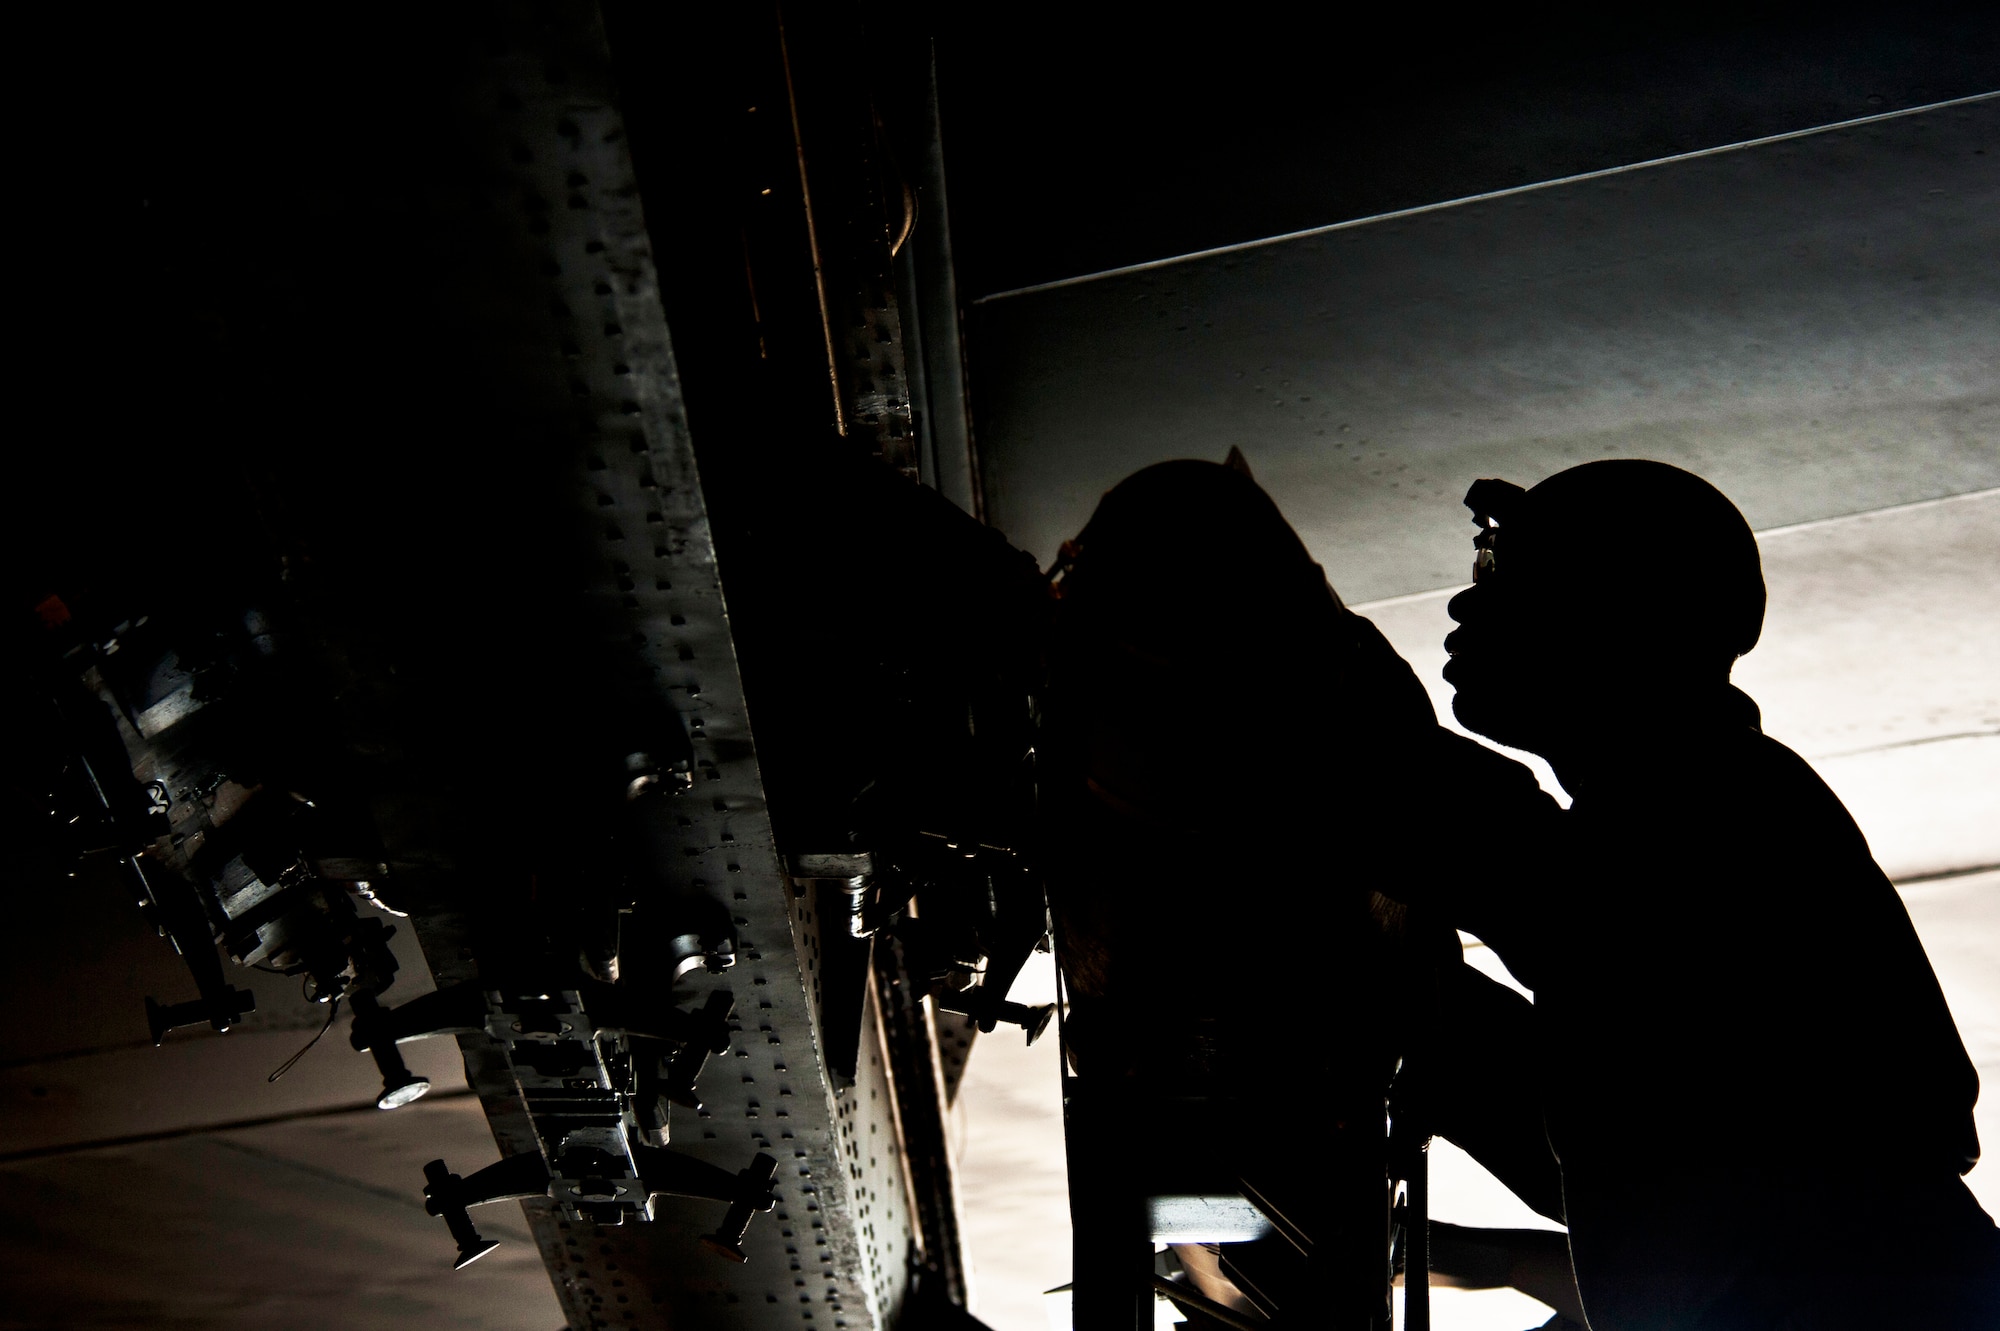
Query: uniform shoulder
[{"x": 1771, "y": 785}]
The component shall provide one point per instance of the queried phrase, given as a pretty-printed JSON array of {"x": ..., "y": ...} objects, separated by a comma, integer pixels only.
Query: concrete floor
[
  {"x": 314, "y": 1223},
  {"x": 1811, "y": 325},
  {"x": 176, "y": 1187}
]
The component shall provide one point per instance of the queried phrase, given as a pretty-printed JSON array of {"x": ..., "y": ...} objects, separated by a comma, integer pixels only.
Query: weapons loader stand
[{"x": 1308, "y": 1231}]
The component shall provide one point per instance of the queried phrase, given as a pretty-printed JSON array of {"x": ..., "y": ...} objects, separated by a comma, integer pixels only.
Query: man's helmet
[{"x": 1630, "y": 537}]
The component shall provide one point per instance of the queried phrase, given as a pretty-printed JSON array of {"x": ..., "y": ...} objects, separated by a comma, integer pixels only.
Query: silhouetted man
[{"x": 1759, "y": 1101}]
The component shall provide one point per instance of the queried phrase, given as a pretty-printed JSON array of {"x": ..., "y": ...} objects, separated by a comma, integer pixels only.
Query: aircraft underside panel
[{"x": 572, "y": 201}]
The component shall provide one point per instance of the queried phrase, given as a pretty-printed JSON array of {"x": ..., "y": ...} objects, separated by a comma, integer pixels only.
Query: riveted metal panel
[{"x": 835, "y": 1252}]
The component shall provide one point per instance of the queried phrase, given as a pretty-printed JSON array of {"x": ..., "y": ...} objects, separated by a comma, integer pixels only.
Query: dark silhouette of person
[
  {"x": 1759, "y": 1102},
  {"x": 1234, "y": 770},
  {"x": 1183, "y": 673}
]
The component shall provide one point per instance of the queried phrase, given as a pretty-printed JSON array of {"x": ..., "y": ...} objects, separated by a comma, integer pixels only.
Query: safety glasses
[{"x": 1490, "y": 500}]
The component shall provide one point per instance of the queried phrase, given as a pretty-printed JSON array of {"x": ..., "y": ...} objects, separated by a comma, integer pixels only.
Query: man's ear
[{"x": 1238, "y": 463}]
